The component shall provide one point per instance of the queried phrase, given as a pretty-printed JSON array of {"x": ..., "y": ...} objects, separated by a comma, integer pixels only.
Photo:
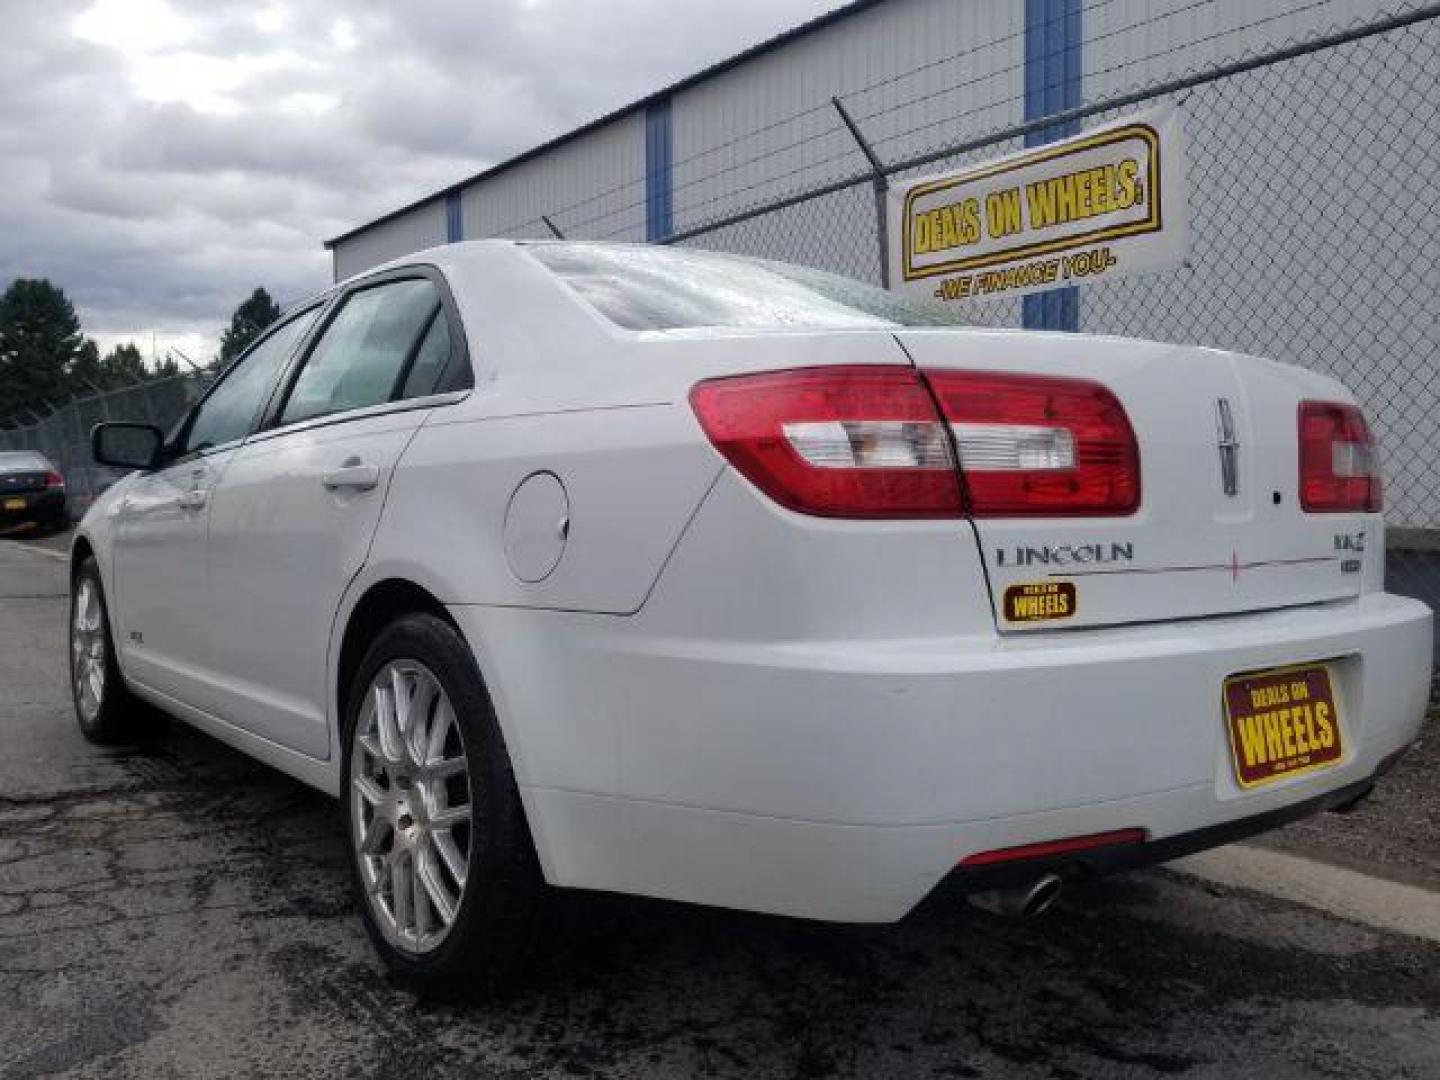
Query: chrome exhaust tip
[{"x": 1022, "y": 901}]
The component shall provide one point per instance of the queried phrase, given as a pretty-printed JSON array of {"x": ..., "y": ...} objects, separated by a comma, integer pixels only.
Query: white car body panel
[
  {"x": 715, "y": 699},
  {"x": 158, "y": 551},
  {"x": 275, "y": 520}
]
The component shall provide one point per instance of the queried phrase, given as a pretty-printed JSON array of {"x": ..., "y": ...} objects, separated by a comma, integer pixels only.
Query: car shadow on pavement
[{"x": 208, "y": 902}]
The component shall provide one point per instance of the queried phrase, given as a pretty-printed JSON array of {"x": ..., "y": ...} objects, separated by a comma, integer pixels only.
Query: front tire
[
  {"x": 104, "y": 708},
  {"x": 442, "y": 862}
]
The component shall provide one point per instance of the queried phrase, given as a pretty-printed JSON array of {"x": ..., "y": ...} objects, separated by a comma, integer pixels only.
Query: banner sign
[{"x": 1098, "y": 206}]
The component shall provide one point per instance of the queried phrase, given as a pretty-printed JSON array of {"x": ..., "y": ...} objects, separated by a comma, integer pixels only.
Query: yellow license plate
[
  {"x": 1281, "y": 723},
  {"x": 14, "y": 504}
]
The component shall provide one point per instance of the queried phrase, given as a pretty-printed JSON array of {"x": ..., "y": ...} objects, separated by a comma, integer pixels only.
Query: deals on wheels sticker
[
  {"x": 1094, "y": 207},
  {"x": 1282, "y": 723},
  {"x": 1040, "y": 601}
]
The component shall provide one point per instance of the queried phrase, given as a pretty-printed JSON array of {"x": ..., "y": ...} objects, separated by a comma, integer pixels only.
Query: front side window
[
  {"x": 658, "y": 288},
  {"x": 366, "y": 350},
  {"x": 231, "y": 410}
]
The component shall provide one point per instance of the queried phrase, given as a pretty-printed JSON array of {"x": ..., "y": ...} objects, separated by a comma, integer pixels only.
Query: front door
[
  {"x": 163, "y": 621},
  {"x": 159, "y": 573}
]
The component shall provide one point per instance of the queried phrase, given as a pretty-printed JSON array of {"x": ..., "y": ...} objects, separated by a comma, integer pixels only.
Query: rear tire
[
  {"x": 444, "y": 870},
  {"x": 104, "y": 708}
]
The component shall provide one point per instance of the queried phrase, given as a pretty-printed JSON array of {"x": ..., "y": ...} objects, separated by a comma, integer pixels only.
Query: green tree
[
  {"x": 40, "y": 341},
  {"x": 249, "y": 319},
  {"x": 122, "y": 365}
]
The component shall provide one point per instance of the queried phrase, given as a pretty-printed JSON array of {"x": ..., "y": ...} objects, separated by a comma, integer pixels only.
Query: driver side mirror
[{"x": 127, "y": 446}]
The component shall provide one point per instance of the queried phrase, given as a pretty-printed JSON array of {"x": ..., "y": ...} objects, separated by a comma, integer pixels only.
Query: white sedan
[{"x": 694, "y": 576}]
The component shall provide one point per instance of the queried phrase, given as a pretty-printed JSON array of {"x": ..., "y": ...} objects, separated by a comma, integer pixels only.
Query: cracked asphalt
[{"x": 174, "y": 910}]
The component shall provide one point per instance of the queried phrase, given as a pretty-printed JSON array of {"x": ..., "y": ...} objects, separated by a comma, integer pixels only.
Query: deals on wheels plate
[
  {"x": 1106, "y": 203},
  {"x": 1282, "y": 722}
]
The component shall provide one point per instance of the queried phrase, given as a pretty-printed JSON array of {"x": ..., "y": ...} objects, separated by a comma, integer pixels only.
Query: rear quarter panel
[{"x": 558, "y": 389}]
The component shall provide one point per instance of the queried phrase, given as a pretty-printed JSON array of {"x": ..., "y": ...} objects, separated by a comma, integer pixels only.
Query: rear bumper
[
  {"x": 843, "y": 780},
  {"x": 1112, "y": 859}
]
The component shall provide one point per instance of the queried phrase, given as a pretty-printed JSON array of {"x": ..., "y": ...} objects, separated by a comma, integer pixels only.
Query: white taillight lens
[
  {"x": 871, "y": 444},
  {"x": 1009, "y": 447}
]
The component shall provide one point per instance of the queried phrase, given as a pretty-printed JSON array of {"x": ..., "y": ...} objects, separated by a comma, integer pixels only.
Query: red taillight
[
  {"x": 867, "y": 442},
  {"x": 1339, "y": 465},
  {"x": 1040, "y": 445},
  {"x": 54, "y": 480},
  {"x": 851, "y": 442},
  {"x": 1050, "y": 848}
]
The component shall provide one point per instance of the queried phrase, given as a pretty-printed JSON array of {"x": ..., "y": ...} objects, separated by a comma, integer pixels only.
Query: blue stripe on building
[
  {"x": 1053, "y": 38},
  {"x": 659, "y": 182},
  {"x": 454, "y": 222}
]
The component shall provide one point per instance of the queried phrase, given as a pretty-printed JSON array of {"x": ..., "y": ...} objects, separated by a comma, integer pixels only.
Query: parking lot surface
[{"x": 175, "y": 910}]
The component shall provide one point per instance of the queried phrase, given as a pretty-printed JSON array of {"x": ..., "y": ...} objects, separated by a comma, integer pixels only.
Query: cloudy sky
[{"x": 161, "y": 158}]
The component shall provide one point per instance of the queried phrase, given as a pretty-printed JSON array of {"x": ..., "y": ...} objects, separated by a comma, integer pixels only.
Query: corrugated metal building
[{"x": 914, "y": 73}]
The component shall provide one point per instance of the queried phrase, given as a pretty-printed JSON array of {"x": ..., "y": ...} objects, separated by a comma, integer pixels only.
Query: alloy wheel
[
  {"x": 87, "y": 650},
  {"x": 411, "y": 806}
]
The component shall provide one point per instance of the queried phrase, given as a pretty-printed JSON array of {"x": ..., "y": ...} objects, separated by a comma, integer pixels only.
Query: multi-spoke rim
[
  {"x": 87, "y": 650},
  {"x": 410, "y": 806}
]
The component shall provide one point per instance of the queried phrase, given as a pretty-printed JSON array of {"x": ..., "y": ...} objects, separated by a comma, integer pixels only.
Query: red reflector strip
[{"x": 1047, "y": 848}]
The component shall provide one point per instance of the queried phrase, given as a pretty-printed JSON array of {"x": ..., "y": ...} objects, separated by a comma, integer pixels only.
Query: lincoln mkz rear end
[{"x": 939, "y": 601}]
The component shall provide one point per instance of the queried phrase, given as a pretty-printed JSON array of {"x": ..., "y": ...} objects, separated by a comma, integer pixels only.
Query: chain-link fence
[
  {"x": 1313, "y": 178},
  {"x": 63, "y": 434}
]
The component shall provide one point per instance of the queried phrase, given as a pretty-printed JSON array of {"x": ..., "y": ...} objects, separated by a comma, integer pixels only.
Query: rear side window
[
  {"x": 22, "y": 462},
  {"x": 430, "y": 370},
  {"x": 232, "y": 409},
  {"x": 655, "y": 288},
  {"x": 366, "y": 350}
]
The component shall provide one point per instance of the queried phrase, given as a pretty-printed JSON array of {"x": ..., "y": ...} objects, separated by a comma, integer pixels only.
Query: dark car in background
[{"x": 32, "y": 490}]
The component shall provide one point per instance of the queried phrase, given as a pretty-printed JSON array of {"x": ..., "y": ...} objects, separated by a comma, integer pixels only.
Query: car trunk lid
[{"x": 1219, "y": 528}]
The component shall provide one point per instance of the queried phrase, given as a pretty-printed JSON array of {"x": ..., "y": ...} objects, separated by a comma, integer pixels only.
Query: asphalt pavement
[{"x": 174, "y": 910}]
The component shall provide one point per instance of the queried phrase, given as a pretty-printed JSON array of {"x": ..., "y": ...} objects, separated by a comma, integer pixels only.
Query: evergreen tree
[
  {"x": 249, "y": 319},
  {"x": 40, "y": 341}
]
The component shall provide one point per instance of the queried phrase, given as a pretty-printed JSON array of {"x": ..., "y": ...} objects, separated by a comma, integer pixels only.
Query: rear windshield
[
  {"x": 21, "y": 461},
  {"x": 657, "y": 288}
]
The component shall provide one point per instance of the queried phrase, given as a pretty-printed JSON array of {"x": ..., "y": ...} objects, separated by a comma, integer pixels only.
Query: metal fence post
[{"x": 880, "y": 182}]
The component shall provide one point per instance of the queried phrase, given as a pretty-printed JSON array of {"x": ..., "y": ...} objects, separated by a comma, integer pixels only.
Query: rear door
[
  {"x": 295, "y": 513},
  {"x": 162, "y": 522},
  {"x": 1218, "y": 527}
]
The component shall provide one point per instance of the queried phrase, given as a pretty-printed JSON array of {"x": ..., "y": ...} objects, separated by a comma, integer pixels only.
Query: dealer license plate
[
  {"x": 1282, "y": 722},
  {"x": 14, "y": 504}
]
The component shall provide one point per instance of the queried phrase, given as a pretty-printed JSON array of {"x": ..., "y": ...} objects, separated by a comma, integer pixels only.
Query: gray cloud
[{"x": 162, "y": 163}]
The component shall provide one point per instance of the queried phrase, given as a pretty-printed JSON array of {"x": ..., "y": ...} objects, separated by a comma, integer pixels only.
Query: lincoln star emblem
[{"x": 1229, "y": 447}]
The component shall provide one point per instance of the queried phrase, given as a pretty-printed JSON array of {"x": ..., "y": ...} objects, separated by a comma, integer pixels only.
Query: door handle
[
  {"x": 194, "y": 499},
  {"x": 353, "y": 475}
]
